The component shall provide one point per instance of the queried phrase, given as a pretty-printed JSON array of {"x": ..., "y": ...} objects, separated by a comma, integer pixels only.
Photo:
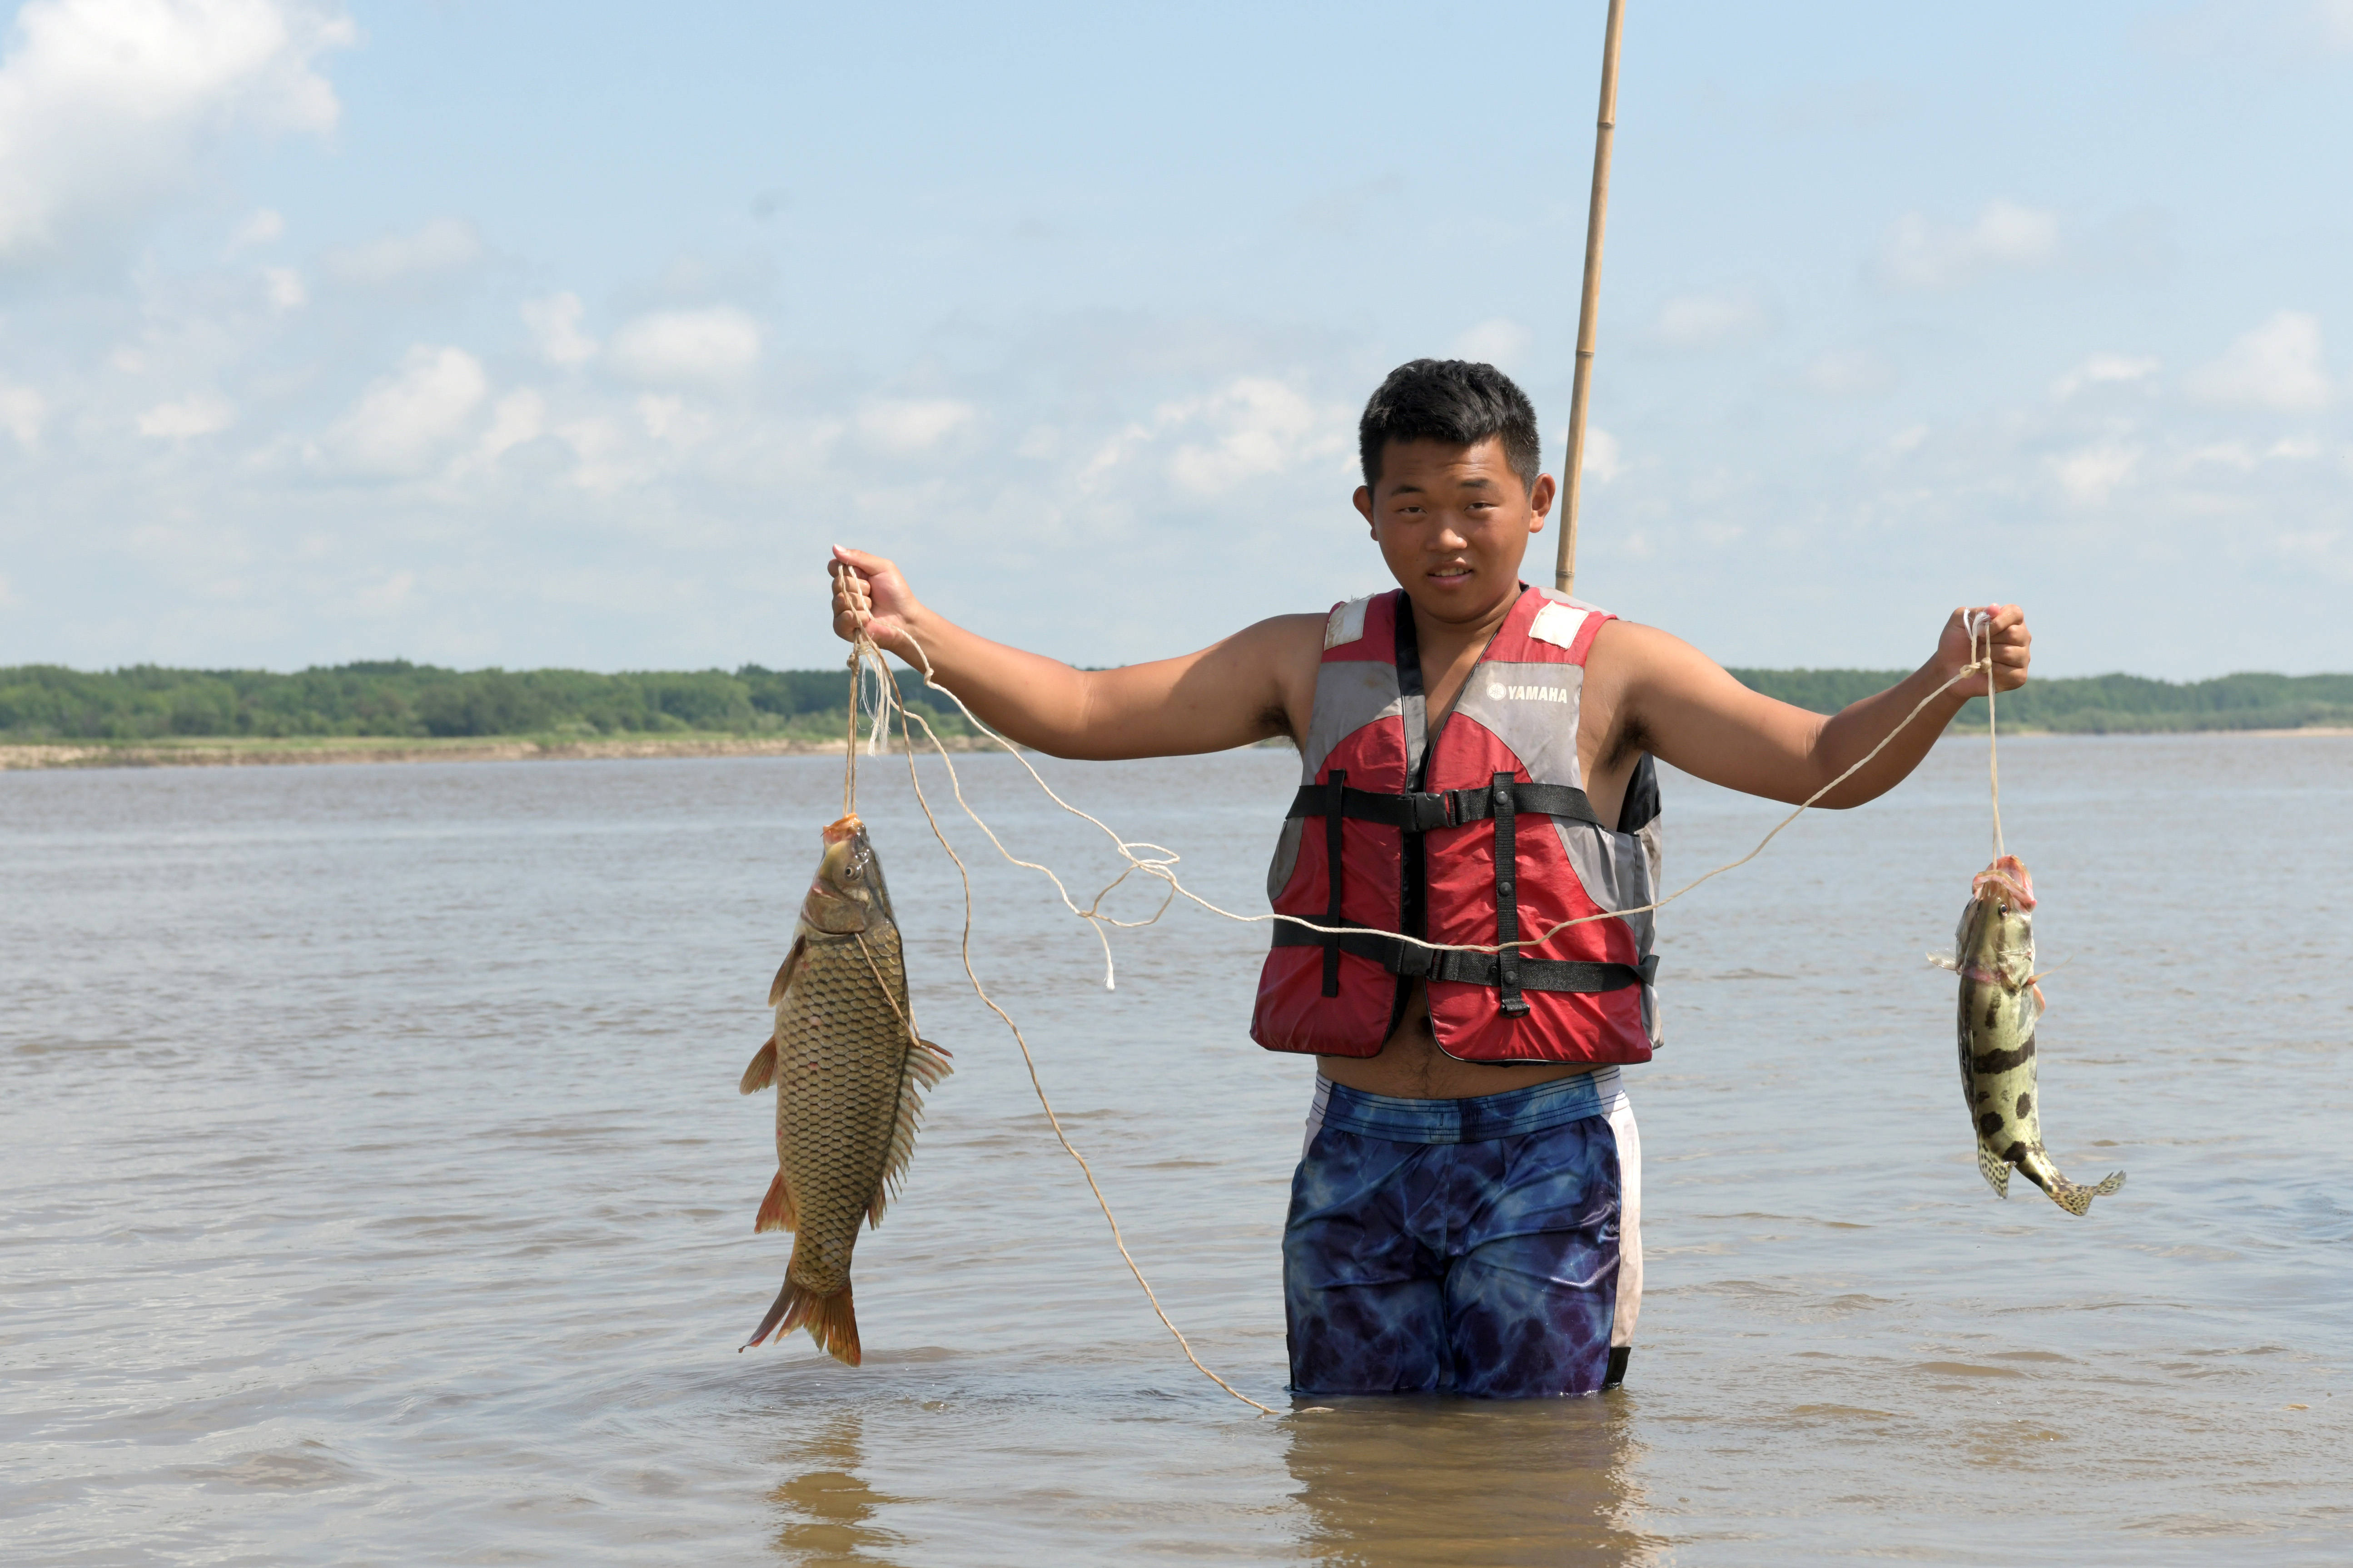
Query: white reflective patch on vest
[
  {"x": 1347, "y": 623},
  {"x": 1557, "y": 623}
]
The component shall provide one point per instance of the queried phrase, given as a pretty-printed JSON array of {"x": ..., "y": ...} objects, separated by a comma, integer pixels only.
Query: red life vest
[{"x": 1483, "y": 835}]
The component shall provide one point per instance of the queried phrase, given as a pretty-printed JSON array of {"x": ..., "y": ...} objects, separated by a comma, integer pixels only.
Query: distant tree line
[
  {"x": 395, "y": 698},
  {"x": 2099, "y": 704}
]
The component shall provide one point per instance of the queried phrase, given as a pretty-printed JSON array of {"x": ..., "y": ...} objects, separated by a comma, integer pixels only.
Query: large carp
[
  {"x": 1999, "y": 1003},
  {"x": 849, "y": 1074}
]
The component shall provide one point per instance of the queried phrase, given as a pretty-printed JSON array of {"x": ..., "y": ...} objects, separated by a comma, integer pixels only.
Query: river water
[{"x": 377, "y": 1190}]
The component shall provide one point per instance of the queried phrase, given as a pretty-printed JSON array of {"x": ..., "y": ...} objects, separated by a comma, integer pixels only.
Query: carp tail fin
[
  {"x": 788, "y": 1299},
  {"x": 2077, "y": 1201},
  {"x": 832, "y": 1322},
  {"x": 1995, "y": 1169}
]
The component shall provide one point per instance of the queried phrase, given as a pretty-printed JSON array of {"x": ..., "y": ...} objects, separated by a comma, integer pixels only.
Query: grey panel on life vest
[
  {"x": 1286, "y": 857},
  {"x": 1615, "y": 871},
  {"x": 1350, "y": 695},
  {"x": 1532, "y": 708}
]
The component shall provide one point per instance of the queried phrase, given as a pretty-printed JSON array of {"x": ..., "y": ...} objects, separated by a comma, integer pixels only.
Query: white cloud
[
  {"x": 1602, "y": 462},
  {"x": 385, "y": 597},
  {"x": 204, "y": 414},
  {"x": 908, "y": 425},
  {"x": 443, "y": 245},
  {"x": 2091, "y": 476},
  {"x": 1710, "y": 321},
  {"x": 554, "y": 325},
  {"x": 519, "y": 416},
  {"x": 669, "y": 420},
  {"x": 105, "y": 104},
  {"x": 405, "y": 420},
  {"x": 2102, "y": 369},
  {"x": 2334, "y": 18},
  {"x": 22, "y": 412},
  {"x": 285, "y": 288},
  {"x": 2276, "y": 365},
  {"x": 1919, "y": 254},
  {"x": 1255, "y": 427},
  {"x": 264, "y": 227},
  {"x": 1850, "y": 373},
  {"x": 716, "y": 344},
  {"x": 1498, "y": 341}
]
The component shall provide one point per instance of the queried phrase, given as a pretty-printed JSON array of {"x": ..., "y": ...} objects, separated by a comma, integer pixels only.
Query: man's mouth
[{"x": 1452, "y": 574}]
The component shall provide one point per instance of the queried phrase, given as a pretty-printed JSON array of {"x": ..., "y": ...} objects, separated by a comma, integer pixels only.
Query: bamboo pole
[{"x": 1563, "y": 574}]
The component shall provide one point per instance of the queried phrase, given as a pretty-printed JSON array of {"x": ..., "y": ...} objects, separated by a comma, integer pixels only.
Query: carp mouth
[
  {"x": 2006, "y": 879},
  {"x": 847, "y": 827}
]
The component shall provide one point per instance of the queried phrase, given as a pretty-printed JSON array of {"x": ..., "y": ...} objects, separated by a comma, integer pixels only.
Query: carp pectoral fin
[
  {"x": 784, "y": 971},
  {"x": 926, "y": 1064},
  {"x": 763, "y": 1070},
  {"x": 1945, "y": 961},
  {"x": 777, "y": 1210},
  {"x": 1995, "y": 1169}
]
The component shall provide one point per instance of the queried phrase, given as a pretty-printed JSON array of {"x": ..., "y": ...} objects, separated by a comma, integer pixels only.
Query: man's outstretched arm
[
  {"x": 1682, "y": 705},
  {"x": 1255, "y": 685}
]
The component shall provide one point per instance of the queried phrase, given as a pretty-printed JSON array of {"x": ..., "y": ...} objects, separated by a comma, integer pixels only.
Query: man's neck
[{"x": 1443, "y": 642}]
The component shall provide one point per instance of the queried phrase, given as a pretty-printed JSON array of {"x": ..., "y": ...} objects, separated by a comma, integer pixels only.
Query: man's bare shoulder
[{"x": 1626, "y": 655}]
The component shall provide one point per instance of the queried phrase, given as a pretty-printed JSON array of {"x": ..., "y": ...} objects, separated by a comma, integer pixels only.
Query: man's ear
[
  {"x": 1365, "y": 505},
  {"x": 1540, "y": 499}
]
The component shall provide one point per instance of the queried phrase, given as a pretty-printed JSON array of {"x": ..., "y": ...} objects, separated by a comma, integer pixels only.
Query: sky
[{"x": 573, "y": 334}]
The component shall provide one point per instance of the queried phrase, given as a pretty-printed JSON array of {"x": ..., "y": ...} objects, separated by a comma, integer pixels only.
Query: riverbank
[
  {"x": 240, "y": 752},
  {"x": 203, "y": 752}
]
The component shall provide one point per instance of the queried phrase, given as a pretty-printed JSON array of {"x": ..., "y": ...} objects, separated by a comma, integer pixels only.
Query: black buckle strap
[
  {"x": 1472, "y": 968},
  {"x": 1426, "y": 810},
  {"x": 1507, "y": 906}
]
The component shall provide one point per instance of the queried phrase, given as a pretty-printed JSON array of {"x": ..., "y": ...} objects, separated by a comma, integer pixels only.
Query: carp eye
[
  {"x": 2003, "y": 908},
  {"x": 852, "y": 872}
]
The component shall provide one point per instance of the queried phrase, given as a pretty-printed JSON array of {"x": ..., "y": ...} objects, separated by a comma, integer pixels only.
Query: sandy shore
[{"x": 202, "y": 753}]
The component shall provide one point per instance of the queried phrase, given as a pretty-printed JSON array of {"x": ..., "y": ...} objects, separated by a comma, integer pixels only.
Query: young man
[{"x": 1476, "y": 771}]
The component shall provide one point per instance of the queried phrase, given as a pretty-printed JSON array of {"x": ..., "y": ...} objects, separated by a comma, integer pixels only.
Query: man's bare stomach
[{"x": 1411, "y": 1067}]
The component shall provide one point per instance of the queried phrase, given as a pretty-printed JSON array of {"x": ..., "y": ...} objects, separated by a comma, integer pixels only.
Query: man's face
[{"x": 1453, "y": 524}]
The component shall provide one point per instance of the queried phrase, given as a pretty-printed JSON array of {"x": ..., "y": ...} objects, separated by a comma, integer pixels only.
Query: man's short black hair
[{"x": 1457, "y": 401}]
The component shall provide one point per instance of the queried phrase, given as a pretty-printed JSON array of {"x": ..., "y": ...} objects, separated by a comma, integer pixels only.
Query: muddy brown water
[{"x": 377, "y": 1190}]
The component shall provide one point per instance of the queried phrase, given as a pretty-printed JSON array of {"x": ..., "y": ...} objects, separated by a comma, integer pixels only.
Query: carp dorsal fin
[
  {"x": 777, "y": 1210},
  {"x": 785, "y": 969},
  {"x": 926, "y": 1064},
  {"x": 763, "y": 1070}
]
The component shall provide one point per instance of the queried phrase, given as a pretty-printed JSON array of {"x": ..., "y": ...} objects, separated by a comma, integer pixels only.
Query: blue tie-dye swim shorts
[{"x": 1486, "y": 1247}]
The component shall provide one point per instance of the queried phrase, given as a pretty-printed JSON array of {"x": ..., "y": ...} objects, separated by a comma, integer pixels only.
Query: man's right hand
[{"x": 871, "y": 593}]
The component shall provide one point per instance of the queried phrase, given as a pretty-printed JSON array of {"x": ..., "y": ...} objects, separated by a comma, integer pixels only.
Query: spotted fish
[
  {"x": 849, "y": 1074},
  {"x": 2000, "y": 1004}
]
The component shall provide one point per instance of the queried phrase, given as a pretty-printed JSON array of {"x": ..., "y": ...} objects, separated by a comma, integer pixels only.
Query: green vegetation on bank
[
  {"x": 397, "y": 698},
  {"x": 2100, "y": 704}
]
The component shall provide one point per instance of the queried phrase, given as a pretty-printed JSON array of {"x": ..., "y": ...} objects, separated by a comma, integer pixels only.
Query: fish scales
[
  {"x": 849, "y": 1072},
  {"x": 1999, "y": 1006}
]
